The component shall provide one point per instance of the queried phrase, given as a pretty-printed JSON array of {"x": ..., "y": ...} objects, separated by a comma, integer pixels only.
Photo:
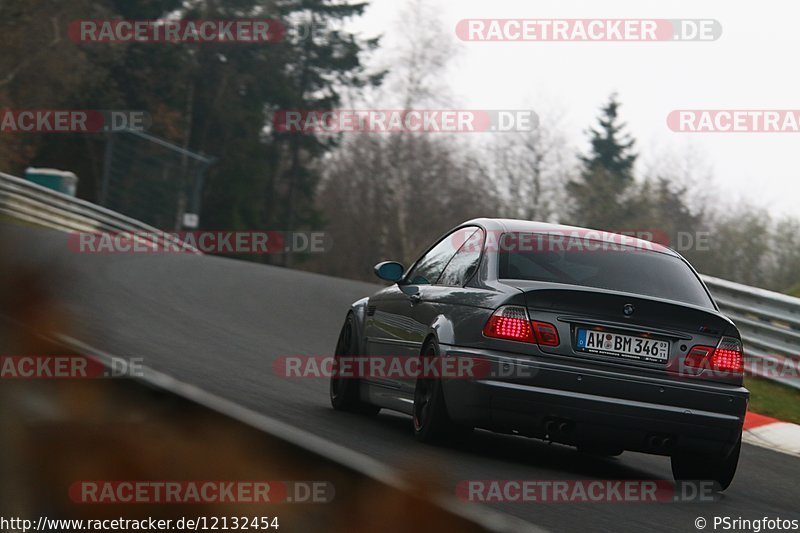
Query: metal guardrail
[
  {"x": 161, "y": 399},
  {"x": 770, "y": 326},
  {"x": 34, "y": 204},
  {"x": 769, "y": 321}
]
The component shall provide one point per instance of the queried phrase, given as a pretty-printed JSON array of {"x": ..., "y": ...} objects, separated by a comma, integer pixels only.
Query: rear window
[{"x": 601, "y": 265}]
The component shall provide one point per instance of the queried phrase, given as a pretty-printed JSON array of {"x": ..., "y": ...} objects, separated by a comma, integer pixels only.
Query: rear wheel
[
  {"x": 687, "y": 467},
  {"x": 431, "y": 421},
  {"x": 344, "y": 392}
]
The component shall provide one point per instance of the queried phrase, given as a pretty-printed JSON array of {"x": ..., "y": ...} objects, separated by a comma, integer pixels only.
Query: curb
[
  {"x": 768, "y": 432},
  {"x": 486, "y": 518}
]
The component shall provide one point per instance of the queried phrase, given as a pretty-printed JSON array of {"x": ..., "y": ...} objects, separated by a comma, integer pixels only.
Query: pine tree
[{"x": 596, "y": 197}]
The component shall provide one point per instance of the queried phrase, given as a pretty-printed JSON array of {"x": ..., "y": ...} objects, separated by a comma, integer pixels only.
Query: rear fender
[{"x": 443, "y": 329}]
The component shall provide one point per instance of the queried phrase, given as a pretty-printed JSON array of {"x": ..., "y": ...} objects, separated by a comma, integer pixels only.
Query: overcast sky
[{"x": 753, "y": 65}]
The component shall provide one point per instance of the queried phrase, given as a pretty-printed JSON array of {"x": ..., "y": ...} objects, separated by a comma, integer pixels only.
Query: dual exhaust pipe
[
  {"x": 660, "y": 442},
  {"x": 558, "y": 427}
]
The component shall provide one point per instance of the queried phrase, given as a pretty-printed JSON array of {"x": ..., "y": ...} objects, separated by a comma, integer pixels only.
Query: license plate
[{"x": 625, "y": 346}]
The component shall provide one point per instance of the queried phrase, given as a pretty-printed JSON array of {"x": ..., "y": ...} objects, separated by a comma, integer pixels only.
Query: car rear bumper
[{"x": 577, "y": 405}]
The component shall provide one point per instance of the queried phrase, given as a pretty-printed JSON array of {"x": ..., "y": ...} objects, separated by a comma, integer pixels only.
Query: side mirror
[{"x": 390, "y": 271}]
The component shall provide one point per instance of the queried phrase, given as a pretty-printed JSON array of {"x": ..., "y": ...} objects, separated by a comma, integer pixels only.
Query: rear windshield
[{"x": 601, "y": 265}]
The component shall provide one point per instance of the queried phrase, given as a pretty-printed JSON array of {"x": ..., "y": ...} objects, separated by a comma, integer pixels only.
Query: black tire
[
  {"x": 430, "y": 419},
  {"x": 344, "y": 392},
  {"x": 707, "y": 468}
]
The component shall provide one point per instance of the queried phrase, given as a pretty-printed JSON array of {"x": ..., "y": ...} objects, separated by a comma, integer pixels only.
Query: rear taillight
[
  {"x": 699, "y": 357},
  {"x": 546, "y": 334},
  {"x": 511, "y": 322},
  {"x": 726, "y": 357}
]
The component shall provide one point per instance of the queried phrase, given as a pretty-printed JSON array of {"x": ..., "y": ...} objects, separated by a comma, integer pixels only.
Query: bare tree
[
  {"x": 528, "y": 169},
  {"x": 387, "y": 195},
  {"x": 418, "y": 66}
]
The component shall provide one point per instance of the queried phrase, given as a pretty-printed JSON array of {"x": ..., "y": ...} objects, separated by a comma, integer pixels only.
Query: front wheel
[
  {"x": 431, "y": 421},
  {"x": 344, "y": 392},
  {"x": 687, "y": 467}
]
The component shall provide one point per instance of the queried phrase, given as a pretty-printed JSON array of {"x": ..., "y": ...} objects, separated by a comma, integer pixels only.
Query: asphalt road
[{"x": 219, "y": 324}]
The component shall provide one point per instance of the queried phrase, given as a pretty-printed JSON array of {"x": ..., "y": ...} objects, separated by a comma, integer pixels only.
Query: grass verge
[{"x": 774, "y": 399}]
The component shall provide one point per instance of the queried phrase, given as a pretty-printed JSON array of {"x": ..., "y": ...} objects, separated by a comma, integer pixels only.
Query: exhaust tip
[{"x": 660, "y": 442}]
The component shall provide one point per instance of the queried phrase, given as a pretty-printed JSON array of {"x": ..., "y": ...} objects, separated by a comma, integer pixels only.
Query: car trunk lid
[{"x": 668, "y": 329}]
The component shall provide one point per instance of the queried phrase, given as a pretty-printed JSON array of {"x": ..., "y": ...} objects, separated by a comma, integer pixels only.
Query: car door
[
  {"x": 448, "y": 293},
  {"x": 390, "y": 327}
]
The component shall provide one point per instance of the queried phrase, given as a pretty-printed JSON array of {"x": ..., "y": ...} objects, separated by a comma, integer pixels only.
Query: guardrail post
[{"x": 103, "y": 198}]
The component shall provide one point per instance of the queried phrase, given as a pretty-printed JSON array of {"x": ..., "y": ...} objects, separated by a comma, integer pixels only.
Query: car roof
[{"x": 510, "y": 225}]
